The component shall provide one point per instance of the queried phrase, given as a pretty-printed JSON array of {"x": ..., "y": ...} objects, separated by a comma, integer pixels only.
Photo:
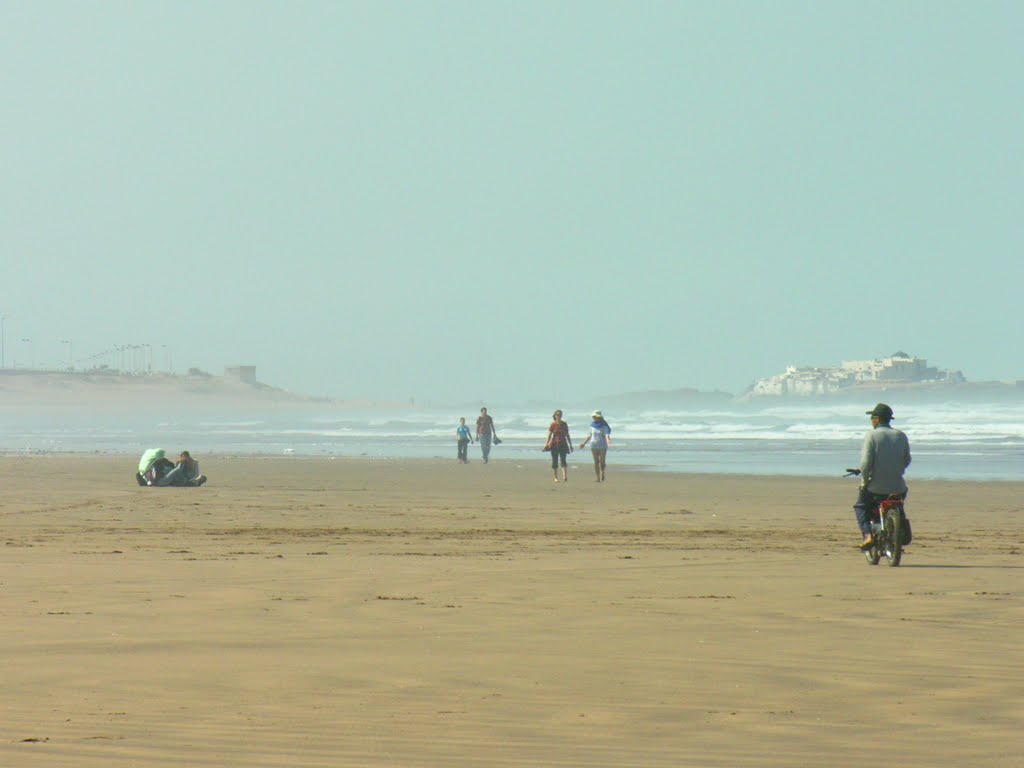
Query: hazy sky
[{"x": 462, "y": 201}]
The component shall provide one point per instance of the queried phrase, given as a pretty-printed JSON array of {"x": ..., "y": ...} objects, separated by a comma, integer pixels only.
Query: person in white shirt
[{"x": 600, "y": 438}]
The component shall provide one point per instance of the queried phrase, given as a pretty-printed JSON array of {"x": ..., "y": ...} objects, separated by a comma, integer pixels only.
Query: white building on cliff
[{"x": 899, "y": 368}]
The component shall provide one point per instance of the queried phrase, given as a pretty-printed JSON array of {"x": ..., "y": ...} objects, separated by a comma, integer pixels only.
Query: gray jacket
[{"x": 884, "y": 457}]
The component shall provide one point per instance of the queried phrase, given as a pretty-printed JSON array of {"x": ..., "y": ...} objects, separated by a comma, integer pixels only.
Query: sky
[{"x": 475, "y": 201}]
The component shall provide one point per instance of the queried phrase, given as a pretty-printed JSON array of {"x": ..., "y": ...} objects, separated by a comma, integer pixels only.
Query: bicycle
[{"x": 890, "y": 529}]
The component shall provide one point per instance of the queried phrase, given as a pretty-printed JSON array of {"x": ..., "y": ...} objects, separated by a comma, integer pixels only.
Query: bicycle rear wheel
[
  {"x": 874, "y": 553},
  {"x": 892, "y": 526}
]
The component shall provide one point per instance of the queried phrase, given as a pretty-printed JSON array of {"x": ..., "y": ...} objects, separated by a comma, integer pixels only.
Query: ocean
[{"x": 949, "y": 440}]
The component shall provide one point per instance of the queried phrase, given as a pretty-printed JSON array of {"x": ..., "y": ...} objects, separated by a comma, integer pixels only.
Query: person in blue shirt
[
  {"x": 463, "y": 435},
  {"x": 600, "y": 438}
]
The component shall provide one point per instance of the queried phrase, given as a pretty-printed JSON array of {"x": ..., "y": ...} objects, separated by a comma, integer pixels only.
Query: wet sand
[{"x": 300, "y": 612}]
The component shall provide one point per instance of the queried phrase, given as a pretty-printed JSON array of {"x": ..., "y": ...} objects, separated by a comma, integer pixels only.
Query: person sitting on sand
[
  {"x": 190, "y": 469},
  {"x": 560, "y": 445},
  {"x": 600, "y": 438}
]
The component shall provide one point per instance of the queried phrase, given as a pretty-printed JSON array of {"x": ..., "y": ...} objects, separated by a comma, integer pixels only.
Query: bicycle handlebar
[{"x": 850, "y": 472}]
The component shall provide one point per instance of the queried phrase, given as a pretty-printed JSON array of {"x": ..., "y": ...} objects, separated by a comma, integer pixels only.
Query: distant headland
[{"x": 105, "y": 388}]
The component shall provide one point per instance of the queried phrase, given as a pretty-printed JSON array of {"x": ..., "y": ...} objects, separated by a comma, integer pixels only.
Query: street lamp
[
  {"x": 170, "y": 363},
  {"x": 70, "y": 347},
  {"x": 3, "y": 336},
  {"x": 32, "y": 353}
]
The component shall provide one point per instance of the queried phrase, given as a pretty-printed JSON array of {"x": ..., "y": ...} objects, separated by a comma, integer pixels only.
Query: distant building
[
  {"x": 246, "y": 373},
  {"x": 898, "y": 368}
]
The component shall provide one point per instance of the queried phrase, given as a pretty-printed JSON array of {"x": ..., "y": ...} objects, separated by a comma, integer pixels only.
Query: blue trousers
[{"x": 866, "y": 505}]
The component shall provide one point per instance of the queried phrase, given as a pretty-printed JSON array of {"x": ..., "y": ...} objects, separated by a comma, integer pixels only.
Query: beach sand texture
[{"x": 308, "y": 612}]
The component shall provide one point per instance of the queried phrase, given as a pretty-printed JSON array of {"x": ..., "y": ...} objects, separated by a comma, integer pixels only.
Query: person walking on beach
[
  {"x": 485, "y": 432},
  {"x": 884, "y": 458},
  {"x": 464, "y": 439},
  {"x": 600, "y": 438},
  {"x": 560, "y": 445}
]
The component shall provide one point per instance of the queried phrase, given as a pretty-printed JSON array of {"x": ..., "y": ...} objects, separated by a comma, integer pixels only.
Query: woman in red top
[{"x": 560, "y": 445}]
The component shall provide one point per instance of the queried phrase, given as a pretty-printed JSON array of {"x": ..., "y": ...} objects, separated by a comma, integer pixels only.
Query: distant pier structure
[
  {"x": 898, "y": 368},
  {"x": 244, "y": 373}
]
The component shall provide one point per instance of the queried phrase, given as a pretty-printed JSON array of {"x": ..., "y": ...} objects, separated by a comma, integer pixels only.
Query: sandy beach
[{"x": 305, "y": 612}]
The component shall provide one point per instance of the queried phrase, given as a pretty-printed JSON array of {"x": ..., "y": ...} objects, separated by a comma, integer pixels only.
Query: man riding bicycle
[{"x": 883, "y": 459}]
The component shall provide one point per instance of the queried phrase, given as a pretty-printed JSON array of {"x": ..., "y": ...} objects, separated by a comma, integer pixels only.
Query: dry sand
[{"x": 400, "y": 613}]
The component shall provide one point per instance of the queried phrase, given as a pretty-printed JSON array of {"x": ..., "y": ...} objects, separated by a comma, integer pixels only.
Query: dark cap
[{"x": 882, "y": 411}]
